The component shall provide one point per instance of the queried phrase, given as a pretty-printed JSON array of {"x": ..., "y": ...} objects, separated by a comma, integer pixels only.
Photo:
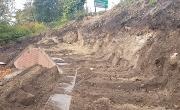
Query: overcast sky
[
  {"x": 90, "y": 4},
  {"x": 19, "y": 4}
]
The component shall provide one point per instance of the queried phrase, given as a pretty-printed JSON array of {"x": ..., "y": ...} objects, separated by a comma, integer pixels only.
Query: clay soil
[
  {"x": 121, "y": 59},
  {"x": 99, "y": 86}
]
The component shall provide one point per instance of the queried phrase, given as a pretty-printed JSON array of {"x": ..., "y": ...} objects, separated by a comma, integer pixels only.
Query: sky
[
  {"x": 90, "y": 4},
  {"x": 19, "y": 4}
]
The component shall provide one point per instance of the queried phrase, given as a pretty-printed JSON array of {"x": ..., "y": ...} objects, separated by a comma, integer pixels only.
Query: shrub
[
  {"x": 13, "y": 32},
  {"x": 59, "y": 23},
  {"x": 20, "y": 31},
  {"x": 8, "y": 32},
  {"x": 37, "y": 27},
  {"x": 80, "y": 14},
  {"x": 152, "y": 2},
  {"x": 34, "y": 27}
]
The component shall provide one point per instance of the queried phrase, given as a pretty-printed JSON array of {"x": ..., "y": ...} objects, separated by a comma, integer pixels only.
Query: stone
[
  {"x": 70, "y": 37},
  {"x": 173, "y": 60}
]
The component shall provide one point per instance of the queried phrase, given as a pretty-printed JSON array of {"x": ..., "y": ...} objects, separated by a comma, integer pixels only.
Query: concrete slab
[
  {"x": 62, "y": 64},
  {"x": 60, "y": 59},
  {"x": 60, "y": 101}
]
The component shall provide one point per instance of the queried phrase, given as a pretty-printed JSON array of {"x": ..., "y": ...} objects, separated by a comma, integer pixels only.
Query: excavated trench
[
  {"x": 61, "y": 99},
  {"x": 39, "y": 87},
  {"x": 126, "y": 59}
]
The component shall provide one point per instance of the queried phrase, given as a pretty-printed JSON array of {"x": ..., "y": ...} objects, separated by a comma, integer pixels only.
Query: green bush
[
  {"x": 13, "y": 32},
  {"x": 59, "y": 23},
  {"x": 35, "y": 27},
  {"x": 80, "y": 14},
  {"x": 21, "y": 31},
  {"x": 38, "y": 27},
  {"x": 152, "y": 2},
  {"x": 8, "y": 32}
]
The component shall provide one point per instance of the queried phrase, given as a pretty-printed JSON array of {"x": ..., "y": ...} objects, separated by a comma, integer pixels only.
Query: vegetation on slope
[{"x": 36, "y": 17}]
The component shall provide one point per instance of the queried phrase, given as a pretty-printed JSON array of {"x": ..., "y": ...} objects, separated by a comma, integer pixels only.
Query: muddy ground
[{"x": 122, "y": 59}]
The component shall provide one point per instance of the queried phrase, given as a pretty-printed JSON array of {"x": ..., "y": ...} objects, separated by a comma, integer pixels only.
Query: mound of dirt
[
  {"x": 125, "y": 30},
  {"x": 124, "y": 57},
  {"x": 140, "y": 37},
  {"x": 29, "y": 90}
]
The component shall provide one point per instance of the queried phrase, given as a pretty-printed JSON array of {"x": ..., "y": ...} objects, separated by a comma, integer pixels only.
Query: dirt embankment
[
  {"x": 124, "y": 57},
  {"x": 10, "y": 50},
  {"x": 123, "y": 31},
  {"x": 29, "y": 90},
  {"x": 140, "y": 37}
]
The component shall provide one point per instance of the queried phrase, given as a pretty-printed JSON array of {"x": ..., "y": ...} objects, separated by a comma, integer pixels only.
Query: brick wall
[{"x": 33, "y": 56}]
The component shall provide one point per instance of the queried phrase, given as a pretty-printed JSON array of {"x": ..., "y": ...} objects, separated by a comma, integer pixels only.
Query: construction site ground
[
  {"x": 125, "y": 59},
  {"x": 99, "y": 86}
]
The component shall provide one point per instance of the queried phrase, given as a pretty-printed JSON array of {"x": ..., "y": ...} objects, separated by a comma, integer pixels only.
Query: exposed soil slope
[
  {"x": 123, "y": 59},
  {"x": 29, "y": 89},
  {"x": 138, "y": 40}
]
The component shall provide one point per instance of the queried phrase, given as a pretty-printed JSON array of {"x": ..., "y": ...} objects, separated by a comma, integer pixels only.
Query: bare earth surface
[{"x": 121, "y": 60}]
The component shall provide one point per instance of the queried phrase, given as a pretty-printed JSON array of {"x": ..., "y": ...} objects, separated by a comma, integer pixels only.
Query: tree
[
  {"x": 27, "y": 14},
  {"x": 80, "y": 4},
  {"x": 51, "y": 10},
  {"x": 47, "y": 10},
  {"x": 6, "y": 10},
  {"x": 72, "y": 7}
]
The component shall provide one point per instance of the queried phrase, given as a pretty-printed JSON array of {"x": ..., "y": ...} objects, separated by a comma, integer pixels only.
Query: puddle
[
  {"x": 61, "y": 101},
  {"x": 2, "y": 63},
  {"x": 62, "y": 64},
  {"x": 59, "y": 61},
  {"x": 54, "y": 58}
]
